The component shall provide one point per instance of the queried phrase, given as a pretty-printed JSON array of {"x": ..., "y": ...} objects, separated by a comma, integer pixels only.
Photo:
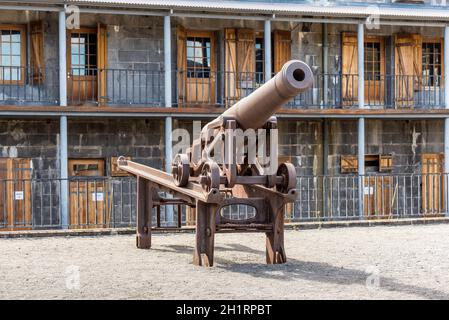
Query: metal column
[
  {"x": 267, "y": 49},
  {"x": 360, "y": 62},
  {"x": 63, "y": 153},
  {"x": 361, "y": 164},
  {"x": 446, "y": 120},
  {"x": 325, "y": 67},
  {"x": 169, "y": 217}
]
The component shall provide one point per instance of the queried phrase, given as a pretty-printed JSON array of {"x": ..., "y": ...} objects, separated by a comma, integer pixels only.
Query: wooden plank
[
  {"x": 102, "y": 58},
  {"x": 282, "y": 48}
]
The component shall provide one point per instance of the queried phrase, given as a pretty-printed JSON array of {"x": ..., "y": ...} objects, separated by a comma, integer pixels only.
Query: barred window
[
  {"x": 372, "y": 61},
  {"x": 198, "y": 57},
  {"x": 431, "y": 63},
  {"x": 84, "y": 54}
]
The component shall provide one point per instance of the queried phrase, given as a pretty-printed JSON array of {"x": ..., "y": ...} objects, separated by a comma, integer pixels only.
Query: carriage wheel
[
  {"x": 288, "y": 172},
  {"x": 211, "y": 171},
  {"x": 181, "y": 169}
]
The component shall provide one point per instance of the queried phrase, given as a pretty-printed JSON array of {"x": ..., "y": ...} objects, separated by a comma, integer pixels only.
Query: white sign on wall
[
  {"x": 97, "y": 196},
  {"x": 18, "y": 195},
  {"x": 369, "y": 190}
]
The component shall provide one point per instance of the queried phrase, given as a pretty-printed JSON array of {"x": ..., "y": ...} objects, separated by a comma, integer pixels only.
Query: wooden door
[
  {"x": 86, "y": 63},
  {"x": 378, "y": 196},
  {"x": 196, "y": 67},
  {"x": 374, "y": 71},
  {"x": 15, "y": 194},
  {"x": 408, "y": 68},
  {"x": 432, "y": 183},
  {"x": 88, "y": 194}
]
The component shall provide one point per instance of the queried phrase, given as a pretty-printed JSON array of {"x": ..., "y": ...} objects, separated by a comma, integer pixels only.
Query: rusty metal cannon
[
  {"x": 230, "y": 166},
  {"x": 203, "y": 164}
]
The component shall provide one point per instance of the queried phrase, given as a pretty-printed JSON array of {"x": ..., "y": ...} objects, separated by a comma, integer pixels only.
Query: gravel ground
[{"x": 401, "y": 262}]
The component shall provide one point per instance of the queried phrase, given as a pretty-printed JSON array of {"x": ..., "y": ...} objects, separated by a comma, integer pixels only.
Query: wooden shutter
[
  {"x": 181, "y": 64},
  {"x": 102, "y": 58},
  {"x": 348, "y": 164},
  {"x": 349, "y": 69},
  {"x": 245, "y": 58},
  {"x": 408, "y": 68},
  {"x": 282, "y": 48},
  {"x": 37, "y": 52},
  {"x": 232, "y": 93}
]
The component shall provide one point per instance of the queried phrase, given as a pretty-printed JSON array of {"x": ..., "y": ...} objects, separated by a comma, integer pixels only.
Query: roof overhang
[{"x": 266, "y": 9}]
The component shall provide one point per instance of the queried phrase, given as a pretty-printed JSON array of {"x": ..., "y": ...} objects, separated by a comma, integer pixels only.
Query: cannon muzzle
[{"x": 253, "y": 111}]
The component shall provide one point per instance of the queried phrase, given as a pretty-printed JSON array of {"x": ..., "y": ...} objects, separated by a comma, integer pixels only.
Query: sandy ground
[{"x": 348, "y": 263}]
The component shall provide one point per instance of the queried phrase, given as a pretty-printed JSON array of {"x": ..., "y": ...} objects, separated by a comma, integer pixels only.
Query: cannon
[
  {"x": 216, "y": 157},
  {"x": 223, "y": 170}
]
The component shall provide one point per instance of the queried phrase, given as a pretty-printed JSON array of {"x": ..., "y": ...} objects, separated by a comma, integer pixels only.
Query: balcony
[
  {"x": 382, "y": 92},
  {"x": 25, "y": 86}
]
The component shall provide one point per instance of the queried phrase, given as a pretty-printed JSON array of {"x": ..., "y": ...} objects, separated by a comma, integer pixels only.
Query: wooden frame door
[
  {"x": 88, "y": 194},
  {"x": 374, "y": 66},
  {"x": 374, "y": 70},
  {"x": 15, "y": 194},
  {"x": 86, "y": 63},
  {"x": 432, "y": 183},
  {"x": 196, "y": 67},
  {"x": 378, "y": 196}
]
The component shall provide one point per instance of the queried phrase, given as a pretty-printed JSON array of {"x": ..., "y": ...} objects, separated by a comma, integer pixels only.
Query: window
[
  {"x": 260, "y": 60},
  {"x": 198, "y": 57},
  {"x": 431, "y": 63},
  {"x": 84, "y": 54},
  {"x": 12, "y": 54},
  {"x": 372, "y": 61}
]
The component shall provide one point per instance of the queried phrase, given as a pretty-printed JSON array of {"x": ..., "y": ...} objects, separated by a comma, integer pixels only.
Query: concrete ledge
[{"x": 191, "y": 229}]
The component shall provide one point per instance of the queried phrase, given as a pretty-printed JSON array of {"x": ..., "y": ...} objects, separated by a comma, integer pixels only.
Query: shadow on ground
[{"x": 305, "y": 270}]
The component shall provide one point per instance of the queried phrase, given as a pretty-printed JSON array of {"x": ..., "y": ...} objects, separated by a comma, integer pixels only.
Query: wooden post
[
  {"x": 275, "y": 250},
  {"x": 144, "y": 213},
  {"x": 205, "y": 234}
]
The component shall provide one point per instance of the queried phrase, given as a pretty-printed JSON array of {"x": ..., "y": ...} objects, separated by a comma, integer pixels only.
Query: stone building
[{"x": 83, "y": 82}]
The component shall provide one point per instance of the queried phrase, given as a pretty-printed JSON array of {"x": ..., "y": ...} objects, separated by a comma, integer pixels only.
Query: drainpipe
[
  {"x": 168, "y": 103},
  {"x": 63, "y": 153}
]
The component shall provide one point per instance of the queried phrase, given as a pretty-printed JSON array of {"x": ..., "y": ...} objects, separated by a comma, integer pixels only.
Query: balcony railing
[
  {"x": 145, "y": 88},
  {"x": 111, "y": 202},
  {"x": 29, "y": 86},
  {"x": 329, "y": 91},
  {"x": 115, "y": 87}
]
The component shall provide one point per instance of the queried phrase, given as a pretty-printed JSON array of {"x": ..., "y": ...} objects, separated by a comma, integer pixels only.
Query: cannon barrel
[{"x": 253, "y": 111}]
